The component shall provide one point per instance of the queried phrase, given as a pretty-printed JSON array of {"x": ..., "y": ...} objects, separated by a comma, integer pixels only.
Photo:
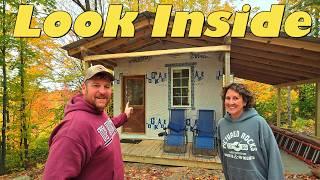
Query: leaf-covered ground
[{"x": 150, "y": 172}]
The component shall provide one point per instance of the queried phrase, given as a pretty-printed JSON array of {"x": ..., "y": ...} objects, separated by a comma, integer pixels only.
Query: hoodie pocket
[{"x": 235, "y": 173}]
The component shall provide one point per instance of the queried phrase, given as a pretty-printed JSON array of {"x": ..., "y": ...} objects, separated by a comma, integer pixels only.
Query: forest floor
[{"x": 150, "y": 171}]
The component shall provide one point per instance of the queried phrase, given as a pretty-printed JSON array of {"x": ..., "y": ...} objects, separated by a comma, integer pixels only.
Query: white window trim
[{"x": 189, "y": 87}]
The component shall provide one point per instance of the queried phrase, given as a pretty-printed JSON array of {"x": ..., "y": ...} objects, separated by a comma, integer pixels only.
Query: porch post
[
  {"x": 317, "y": 119},
  {"x": 86, "y": 64},
  {"x": 278, "y": 106},
  {"x": 227, "y": 69},
  {"x": 289, "y": 106}
]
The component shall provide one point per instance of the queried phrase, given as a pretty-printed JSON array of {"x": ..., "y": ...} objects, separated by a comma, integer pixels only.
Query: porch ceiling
[{"x": 275, "y": 61}]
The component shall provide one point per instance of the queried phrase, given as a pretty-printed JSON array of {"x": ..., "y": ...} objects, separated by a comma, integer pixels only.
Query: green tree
[
  {"x": 307, "y": 101},
  {"x": 11, "y": 64},
  {"x": 5, "y": 100},
  {"x": 310, "y": 6}
]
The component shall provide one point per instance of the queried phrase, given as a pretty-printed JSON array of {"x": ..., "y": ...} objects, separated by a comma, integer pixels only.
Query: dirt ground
[{"x": 150, "y": 172}]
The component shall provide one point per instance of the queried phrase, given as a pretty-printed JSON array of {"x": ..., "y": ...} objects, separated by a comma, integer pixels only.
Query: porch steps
[
  {"x": 151, "y": 152},
  {"x": 304, "y": 148}
]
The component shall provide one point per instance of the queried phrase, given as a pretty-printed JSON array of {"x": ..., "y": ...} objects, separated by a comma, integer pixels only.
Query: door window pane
[{"x": 135, "y": 90}]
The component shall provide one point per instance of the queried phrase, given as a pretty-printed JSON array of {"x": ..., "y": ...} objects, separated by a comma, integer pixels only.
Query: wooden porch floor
[{"x": 151, "y": 151}]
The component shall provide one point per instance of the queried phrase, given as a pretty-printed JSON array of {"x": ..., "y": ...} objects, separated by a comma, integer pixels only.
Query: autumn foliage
[{"x": 302, "y": 105}]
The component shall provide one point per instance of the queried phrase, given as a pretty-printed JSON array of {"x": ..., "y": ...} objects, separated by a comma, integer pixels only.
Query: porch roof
[{"x": 276, "y": 61}]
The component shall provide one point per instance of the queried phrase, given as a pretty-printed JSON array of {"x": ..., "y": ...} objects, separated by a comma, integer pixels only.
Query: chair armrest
[{"x": 162, "y": 134}]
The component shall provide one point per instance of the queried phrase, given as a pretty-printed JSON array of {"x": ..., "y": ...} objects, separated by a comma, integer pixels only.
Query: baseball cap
[{"x": 93, "y": 70}]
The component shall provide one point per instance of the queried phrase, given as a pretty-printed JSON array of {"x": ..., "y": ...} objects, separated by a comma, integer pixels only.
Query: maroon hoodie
[{"x": 85, "y": 145}]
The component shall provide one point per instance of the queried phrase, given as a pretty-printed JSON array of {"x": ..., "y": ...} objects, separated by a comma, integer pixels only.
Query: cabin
[{"x": 156, "y": 75}]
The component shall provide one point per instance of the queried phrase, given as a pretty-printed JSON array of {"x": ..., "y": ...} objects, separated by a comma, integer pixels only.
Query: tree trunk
[
  {"x": 24, "y": 133},
  {"x": 316, "y": 23},
  {"x": 289, "y": 106},
  {"x": 5, "y": 95},
  {"x": 87, "y": 2}
]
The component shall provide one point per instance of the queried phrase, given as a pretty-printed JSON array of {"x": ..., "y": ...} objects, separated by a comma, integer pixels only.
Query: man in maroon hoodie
[{"x": 86, "y": 144}]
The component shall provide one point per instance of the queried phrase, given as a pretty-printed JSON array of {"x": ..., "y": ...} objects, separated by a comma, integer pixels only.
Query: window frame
[{"x": 189, "y": 87}]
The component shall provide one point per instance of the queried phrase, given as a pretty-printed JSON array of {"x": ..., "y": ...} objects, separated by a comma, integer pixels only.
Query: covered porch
[{"x": 151, "y": 152}]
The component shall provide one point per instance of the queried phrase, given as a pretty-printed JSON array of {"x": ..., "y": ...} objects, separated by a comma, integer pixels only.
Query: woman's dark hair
[{"x": 247, "y": 95}]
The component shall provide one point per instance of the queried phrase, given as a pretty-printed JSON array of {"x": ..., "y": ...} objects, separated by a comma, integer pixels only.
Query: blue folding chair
[
  {"x": 175, "y": 140},
  {"x": 204, "y": 133}
]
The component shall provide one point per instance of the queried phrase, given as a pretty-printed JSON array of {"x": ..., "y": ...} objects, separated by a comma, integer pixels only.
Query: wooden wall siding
[{"x": 151, "y": 151}]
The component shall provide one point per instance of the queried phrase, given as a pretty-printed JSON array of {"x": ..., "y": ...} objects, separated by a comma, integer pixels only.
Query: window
[{"x": 180, "y": 85}]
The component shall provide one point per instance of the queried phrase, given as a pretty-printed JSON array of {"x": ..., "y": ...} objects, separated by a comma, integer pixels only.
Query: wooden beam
[
  {"x": 278, "y": 106},
  {"x": 276, "y": 48},
  {"x": 255, "y": 77},
  {"x": 299, "y": 82},
  {"x": 141, "y": 43},
  {"x": 117, "y": 42},
  {"x": 222, "y": 48},
  {"x": 272, "y": 69},
  {"x": 84, "y": 54},
  {"x": 189, "y": 41},
  {"x": 107, "y": 63},
  {"x": 212, "y": 40},
  {"x": 275, "y": 56},
  {"x": 293, "y": 43},
  {"x": 299, "y": 68},
  {"x": 139, "y": 25},
  {"x": 317, "y": 120},
  {"x": 227, "y": 66},
  {"x": 264, "y": 72}
]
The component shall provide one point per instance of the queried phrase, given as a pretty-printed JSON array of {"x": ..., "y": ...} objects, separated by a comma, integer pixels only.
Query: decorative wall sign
[
  {"x": 156, "y": 77},
  {"x": 196, "y": 56},
  {"x": 219, "y": 74},
  {"x": 156, "y": 123},
  {"x": 198, "y": 75},
  {"x": 140, "y": 59}
]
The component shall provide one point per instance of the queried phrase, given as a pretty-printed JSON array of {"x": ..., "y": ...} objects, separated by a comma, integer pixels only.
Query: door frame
[{"x": 123, "y": 103}]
